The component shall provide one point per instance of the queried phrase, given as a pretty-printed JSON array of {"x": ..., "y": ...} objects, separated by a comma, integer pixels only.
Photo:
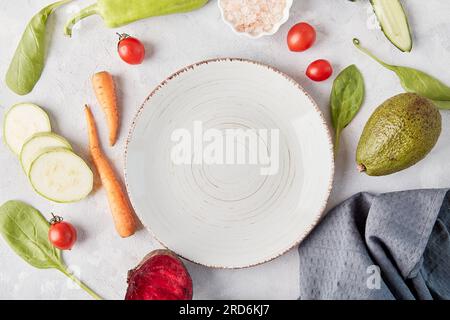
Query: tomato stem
[
  {"x": 122, "y": 36},
  {"x": 55, "y": 219}
]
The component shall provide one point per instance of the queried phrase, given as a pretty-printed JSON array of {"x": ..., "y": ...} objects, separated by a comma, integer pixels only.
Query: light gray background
[{"x": 100, "y": 257}]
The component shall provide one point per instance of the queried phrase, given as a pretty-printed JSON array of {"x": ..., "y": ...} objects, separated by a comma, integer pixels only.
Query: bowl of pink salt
[{"x": 255, "y": 18}]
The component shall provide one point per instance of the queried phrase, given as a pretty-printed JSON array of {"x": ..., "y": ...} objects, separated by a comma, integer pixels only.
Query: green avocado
[{"x": 400, "y": 133}]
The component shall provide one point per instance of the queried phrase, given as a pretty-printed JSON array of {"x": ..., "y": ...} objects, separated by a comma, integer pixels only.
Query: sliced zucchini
[
  {"x": 38, "y": 144},
  {"x": 21, "y": 122},
  {"x": 394, "y": 23},
  {"x": 61, "y": 176}
]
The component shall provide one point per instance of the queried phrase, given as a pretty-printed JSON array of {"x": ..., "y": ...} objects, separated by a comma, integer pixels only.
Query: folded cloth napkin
[{"x": 388, "y": 246}]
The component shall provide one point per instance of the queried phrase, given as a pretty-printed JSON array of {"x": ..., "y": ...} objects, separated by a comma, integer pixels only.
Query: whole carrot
[
  {"x": 105, "y": 92},
  {"x": 118, "y": 200}
]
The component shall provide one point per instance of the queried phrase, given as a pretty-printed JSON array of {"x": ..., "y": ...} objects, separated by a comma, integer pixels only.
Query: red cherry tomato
[
  {"x": 130, "y": 49},
  {"x": 319, "y": 70},
  {"x": 301, "y": 37},
  {"x": 61, "y": 234}
]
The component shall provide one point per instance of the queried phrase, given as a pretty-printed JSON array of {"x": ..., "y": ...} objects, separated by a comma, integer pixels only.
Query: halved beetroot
[{"x": 160, "y": 276}]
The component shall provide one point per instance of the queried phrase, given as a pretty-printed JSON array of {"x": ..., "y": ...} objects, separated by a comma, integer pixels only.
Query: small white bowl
[{"x": 275, "y": 28}]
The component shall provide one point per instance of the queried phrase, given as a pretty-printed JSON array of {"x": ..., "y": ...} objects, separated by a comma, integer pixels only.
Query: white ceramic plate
[{"x": 229, "y": 215}]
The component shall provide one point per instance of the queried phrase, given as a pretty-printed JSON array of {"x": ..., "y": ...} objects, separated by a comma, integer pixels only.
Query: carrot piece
[
  {"x": 118, "y": 200},
  {"x": 105, "y": 92}
]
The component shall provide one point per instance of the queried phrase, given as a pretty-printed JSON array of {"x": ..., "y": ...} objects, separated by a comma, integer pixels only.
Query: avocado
[{"x": 400, "y": 133}]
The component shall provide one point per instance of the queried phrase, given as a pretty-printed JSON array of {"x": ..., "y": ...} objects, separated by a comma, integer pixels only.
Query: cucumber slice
[
  {"x": 61, "y": 176},
  {"x": 21, "y": 122},
  {"x": 38, "y": 144},
  {"x": 394, "y": 23}
]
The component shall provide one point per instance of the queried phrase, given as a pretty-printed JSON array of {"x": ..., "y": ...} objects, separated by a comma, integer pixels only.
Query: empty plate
[{"x": 229, "y": 163}]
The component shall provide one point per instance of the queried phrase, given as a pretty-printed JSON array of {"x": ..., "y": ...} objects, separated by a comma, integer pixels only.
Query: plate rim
[{"x": 319, "y": 215}]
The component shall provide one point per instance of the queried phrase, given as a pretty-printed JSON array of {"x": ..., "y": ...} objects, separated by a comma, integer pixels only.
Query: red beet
[{"x": 160, "y": 276}]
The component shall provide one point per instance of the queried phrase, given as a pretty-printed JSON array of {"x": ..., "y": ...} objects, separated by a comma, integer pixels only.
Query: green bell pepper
[{"x": 117, "y": 13}]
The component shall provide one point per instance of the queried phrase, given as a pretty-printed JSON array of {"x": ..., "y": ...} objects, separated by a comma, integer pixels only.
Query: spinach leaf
[
  {"x": 28, "y": 61},
  {"x": 347, "y": 97},
  {"x": 26, "y": 231},
  {"x": 419, "y": 82},
  {"x": 415, "y": 81}
]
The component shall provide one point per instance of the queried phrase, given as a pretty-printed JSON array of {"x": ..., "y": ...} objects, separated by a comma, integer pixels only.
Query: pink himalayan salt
[{"x": 253, "y": 16}]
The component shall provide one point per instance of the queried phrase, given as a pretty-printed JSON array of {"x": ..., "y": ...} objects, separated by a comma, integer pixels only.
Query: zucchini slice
[
  {"x": 21, "y": 122},
  {"x": 394, "y": 23},
  {"x": 38, "y": 144},
  {"x": 61, "y": 176}
]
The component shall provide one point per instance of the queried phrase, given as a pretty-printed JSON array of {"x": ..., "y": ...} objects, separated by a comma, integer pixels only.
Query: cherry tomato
[
  {"x": 62, "y": 234},
  {"x": 301, "y": 37},
  {"x": 319, "y": 70},
  {"x": 130, "y": 49}
]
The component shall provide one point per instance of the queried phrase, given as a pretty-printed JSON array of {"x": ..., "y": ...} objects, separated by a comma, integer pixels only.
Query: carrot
[
  {"x": 105, "y": 92},
  {"x": 118, "y": 200}
]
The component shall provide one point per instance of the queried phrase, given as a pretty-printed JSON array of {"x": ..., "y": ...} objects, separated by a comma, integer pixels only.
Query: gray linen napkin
[{"x": 388, "y": 246}]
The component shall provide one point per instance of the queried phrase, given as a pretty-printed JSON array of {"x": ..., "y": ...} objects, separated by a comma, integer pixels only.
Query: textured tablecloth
[{"x": 388, "y": 246}]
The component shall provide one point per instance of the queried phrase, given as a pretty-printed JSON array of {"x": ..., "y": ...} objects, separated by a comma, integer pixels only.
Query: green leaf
[
  {"x": 413, "y": 80},
  {"x": 419, "y": 82},
  {"x": 28, "y": 61},
  {"x": 346, "y": 99},
  {"x": 26, "y": 231},
  {"x": 416, "y": 81}
]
